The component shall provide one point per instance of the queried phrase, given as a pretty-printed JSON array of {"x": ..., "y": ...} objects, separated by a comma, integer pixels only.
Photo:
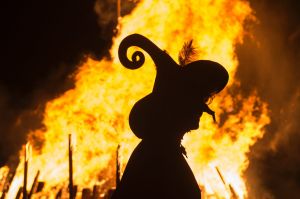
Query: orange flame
[
  {"x": 4, "y": 171},
  {"x": 96, "y": 110}
]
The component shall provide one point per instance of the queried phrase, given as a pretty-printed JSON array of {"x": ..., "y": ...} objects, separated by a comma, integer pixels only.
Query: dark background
[
  {"x": 270, "y": 64},
  {"x": 43, "y": 42}
]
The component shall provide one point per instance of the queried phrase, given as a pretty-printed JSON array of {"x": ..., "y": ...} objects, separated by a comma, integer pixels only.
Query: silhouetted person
[{"x": 157, "y": 168}]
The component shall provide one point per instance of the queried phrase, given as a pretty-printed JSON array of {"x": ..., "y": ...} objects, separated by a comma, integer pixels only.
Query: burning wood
[
  {"x": 231, "y": 189},
  {"x": 19, "y": 193},
  {"x": 118, "y": 10},
  {"x": 70, "y": 148},
  {"x": 96, "y": 192},
  {"x": 118, "y": 175},
  {"x": 34, "y": 185},
  {"x": 75, "y": 189},
  {"x": 4, "y": 173},
  {"x": 26, "y": 160},
  {"x": 221, "y": 176},
  {"x": 118, "y": 28},
  {"x": 86, "y": 194},
  {"x": 40, "y": 186},
  {"x": 233, "y": 193},
  {"x": 7, "y": 182},
  {"x": 58, "y": 194}
]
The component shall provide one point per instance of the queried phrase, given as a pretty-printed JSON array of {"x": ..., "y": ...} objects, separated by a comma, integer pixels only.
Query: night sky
[{"x": 43, "y": 42}]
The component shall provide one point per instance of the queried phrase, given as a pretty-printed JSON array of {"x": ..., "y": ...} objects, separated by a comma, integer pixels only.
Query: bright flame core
[{"x": 96, "y": 110}]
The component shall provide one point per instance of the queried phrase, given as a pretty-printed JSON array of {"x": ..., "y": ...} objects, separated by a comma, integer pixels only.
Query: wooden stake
[
  {"x": 34, "y": 185},
  {"x": 117, "y": 167},
  {"x": 70, "y": 168},
  {"x": 25, "y": 194}
]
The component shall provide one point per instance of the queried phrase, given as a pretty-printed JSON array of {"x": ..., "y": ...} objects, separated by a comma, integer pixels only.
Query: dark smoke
[
  {"x": 107, "y": 12},
  {"x": 269, "y": 63},
  {"x": 42, "y": 44}
]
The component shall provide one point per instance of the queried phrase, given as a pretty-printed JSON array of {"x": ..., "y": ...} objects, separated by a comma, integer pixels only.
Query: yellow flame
[
  {"x": 4, "y": 171},
  {"x": 96, "y": 110}
]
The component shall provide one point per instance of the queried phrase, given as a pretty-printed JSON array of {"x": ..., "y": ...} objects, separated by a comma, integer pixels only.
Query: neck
[{"x": 176, "y": 140}]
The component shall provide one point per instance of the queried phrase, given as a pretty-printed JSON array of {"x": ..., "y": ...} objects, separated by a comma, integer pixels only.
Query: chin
[
  {"x": 195, "y": 128},
  {"x": 191, "y": 125}
]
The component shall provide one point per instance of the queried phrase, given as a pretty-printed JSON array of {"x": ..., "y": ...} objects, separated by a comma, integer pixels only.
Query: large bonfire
[{"x": 96, "y": 111}]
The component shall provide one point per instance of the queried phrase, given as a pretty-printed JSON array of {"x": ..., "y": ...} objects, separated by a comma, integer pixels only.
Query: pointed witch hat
[{"x": 177, "y": 89}]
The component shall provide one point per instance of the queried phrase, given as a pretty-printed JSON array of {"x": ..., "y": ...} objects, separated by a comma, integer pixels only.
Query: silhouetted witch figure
[{"x": 157, "y": 168}]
